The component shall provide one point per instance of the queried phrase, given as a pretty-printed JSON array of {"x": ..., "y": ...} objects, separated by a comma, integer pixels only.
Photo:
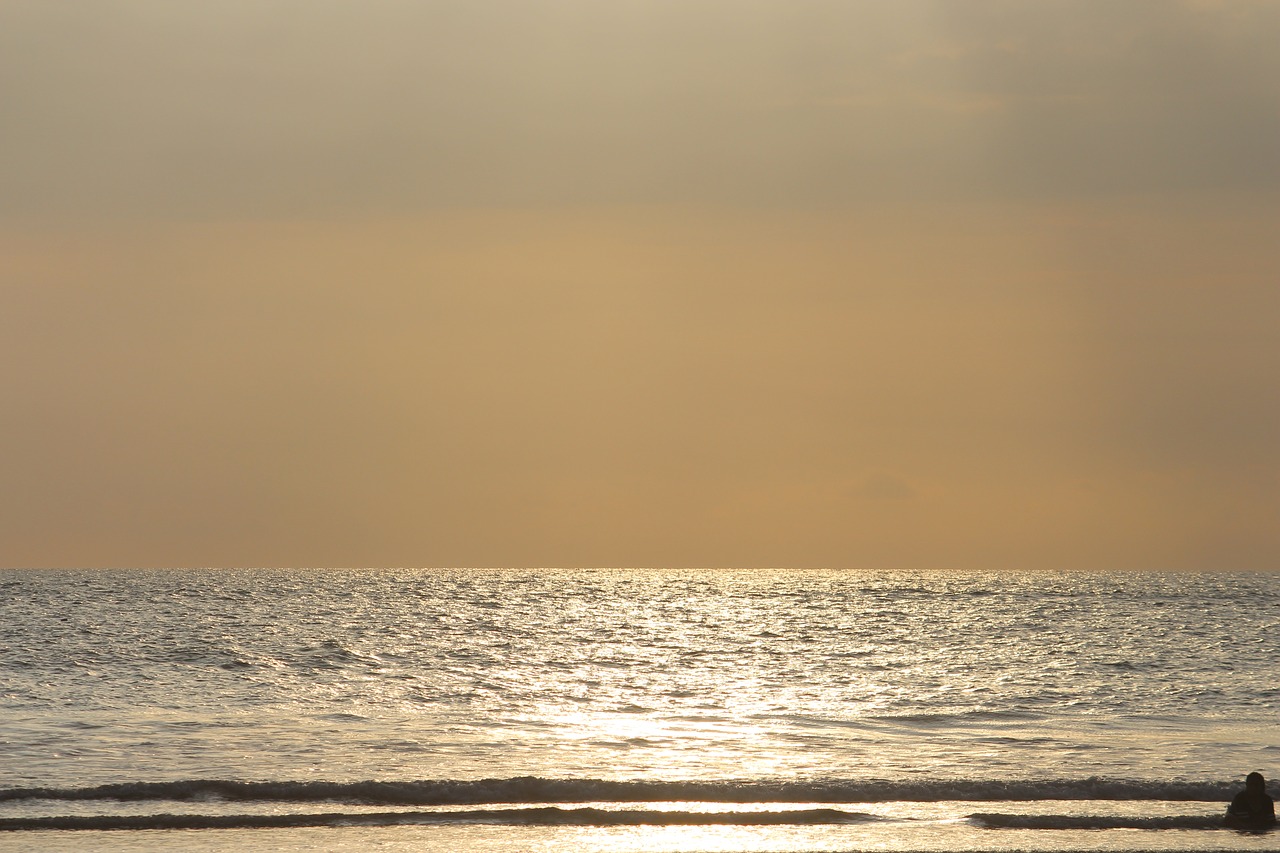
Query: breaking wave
[
  {"x": 1023, "y": 821},
  {"x": 545, "y": 816},
  {"x": 535, "y": 801},
  {"x": 532, "y": 789}
]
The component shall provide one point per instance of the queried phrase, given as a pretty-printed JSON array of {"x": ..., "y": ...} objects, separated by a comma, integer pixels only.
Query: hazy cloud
[{"x": 141, "y": 106}]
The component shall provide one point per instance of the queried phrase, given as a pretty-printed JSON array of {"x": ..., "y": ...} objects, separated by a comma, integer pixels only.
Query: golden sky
[{"x": 985, "y": 284}]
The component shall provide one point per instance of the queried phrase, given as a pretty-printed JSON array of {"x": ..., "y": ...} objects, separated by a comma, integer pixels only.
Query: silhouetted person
[{"x": 1252, "y": 808}]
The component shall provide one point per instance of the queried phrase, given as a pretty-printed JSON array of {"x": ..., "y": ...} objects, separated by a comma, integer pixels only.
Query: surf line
[{"x": 547, "y": 816}]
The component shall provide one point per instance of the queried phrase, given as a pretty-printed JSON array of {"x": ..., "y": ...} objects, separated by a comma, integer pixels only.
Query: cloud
[
  {"x": 1106, "y": 98},
  {"x": 141, "y": 108}
]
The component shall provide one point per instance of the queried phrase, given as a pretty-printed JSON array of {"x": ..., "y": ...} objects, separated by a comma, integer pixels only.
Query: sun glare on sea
[
  {"x": 704, "y": 839},
  {"x": 671, "y": 748}
]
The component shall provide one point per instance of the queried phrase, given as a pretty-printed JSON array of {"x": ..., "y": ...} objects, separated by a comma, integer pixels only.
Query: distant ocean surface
[{"x": 633, "y": 710}]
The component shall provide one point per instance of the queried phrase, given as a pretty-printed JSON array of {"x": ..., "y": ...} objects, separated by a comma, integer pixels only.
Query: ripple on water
[{"x": 763, "y": 672}]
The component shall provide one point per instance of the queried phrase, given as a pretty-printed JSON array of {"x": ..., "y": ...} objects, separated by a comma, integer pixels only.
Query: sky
[{"x": 845, "y": 283}]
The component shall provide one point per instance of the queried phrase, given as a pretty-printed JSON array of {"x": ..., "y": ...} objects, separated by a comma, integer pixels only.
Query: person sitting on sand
[{"x": 1252, "y": 808}]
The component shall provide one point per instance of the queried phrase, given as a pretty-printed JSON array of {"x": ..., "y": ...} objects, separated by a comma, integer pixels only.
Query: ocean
[{"x": 633, "y": 710}]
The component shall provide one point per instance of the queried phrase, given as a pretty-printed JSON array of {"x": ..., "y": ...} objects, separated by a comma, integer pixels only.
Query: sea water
[{"x": 633, "y": 710}]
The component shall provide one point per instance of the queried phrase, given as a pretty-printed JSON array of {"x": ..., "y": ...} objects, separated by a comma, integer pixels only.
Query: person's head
[{"x": 1255, "y": 782}]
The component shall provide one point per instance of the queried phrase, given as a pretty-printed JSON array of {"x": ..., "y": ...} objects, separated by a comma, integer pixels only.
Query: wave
[
  {"x": 1025, "y": 821},
  {"x": 943, "y": 719},
  {"x": 590, "y": 816},
  {"x": 532, "y": 789},
  {"x": 545, "y": 816}
]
